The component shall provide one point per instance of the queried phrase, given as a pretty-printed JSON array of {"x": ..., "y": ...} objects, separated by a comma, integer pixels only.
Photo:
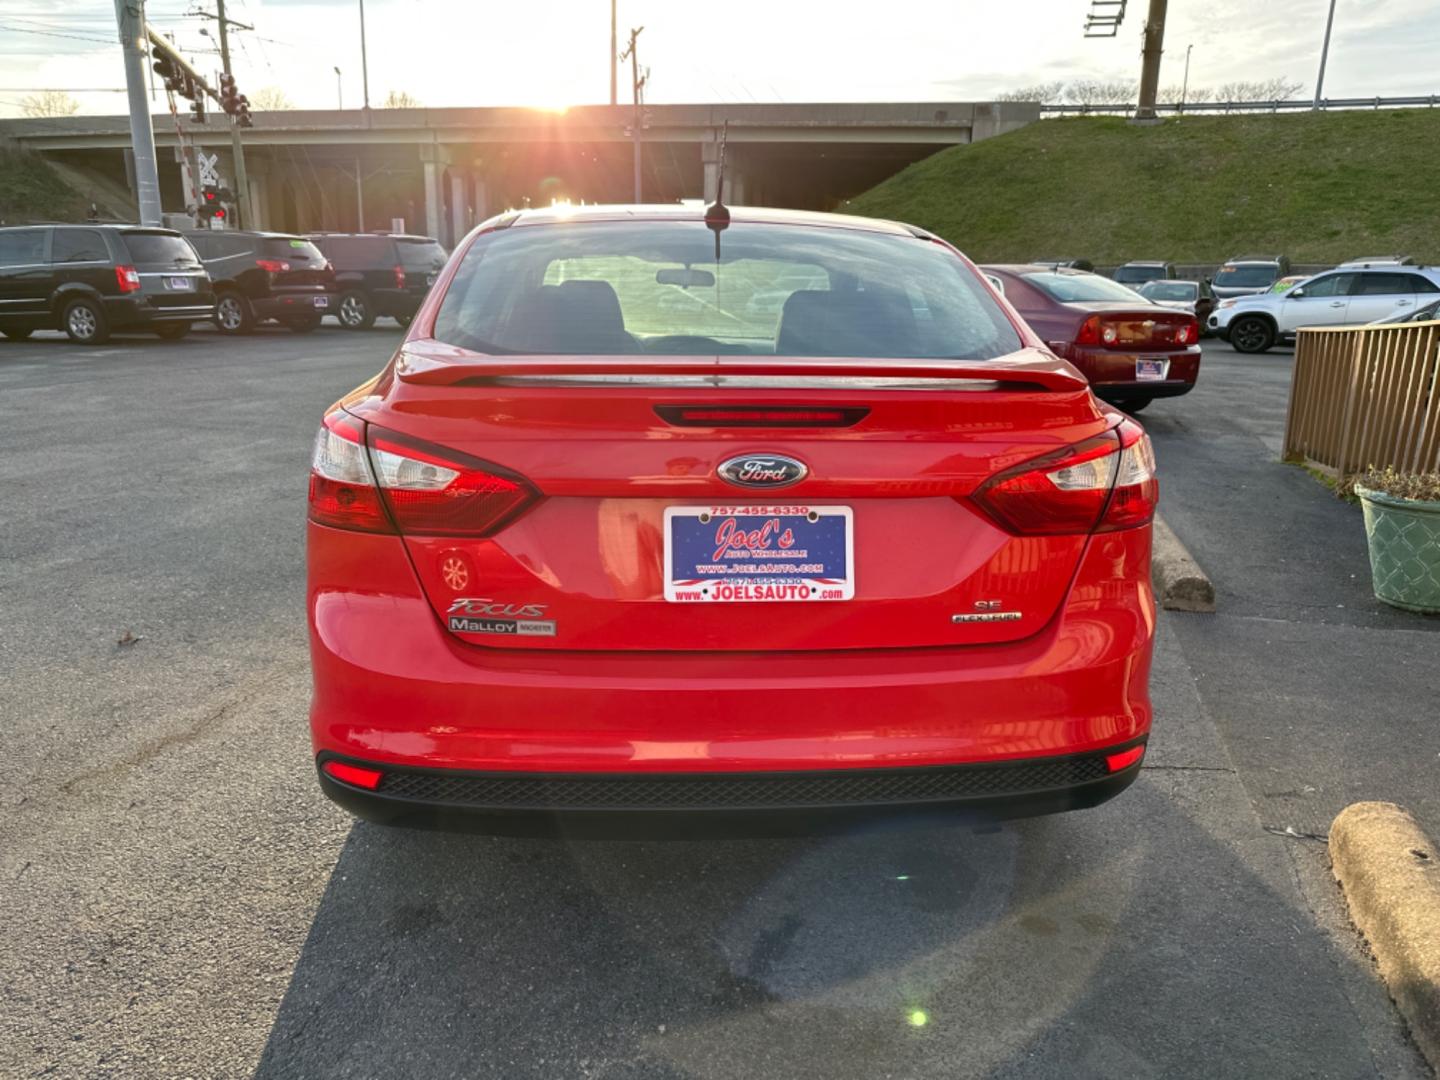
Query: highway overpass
[{"x": 442, "y": 170}]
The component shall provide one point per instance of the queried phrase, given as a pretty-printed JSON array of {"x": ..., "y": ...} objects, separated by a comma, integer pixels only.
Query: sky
[{"x": 554, "y": 53}]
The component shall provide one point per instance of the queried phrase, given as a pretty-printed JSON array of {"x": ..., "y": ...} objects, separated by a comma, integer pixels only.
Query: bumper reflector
[
  {"x": 353, "y": 774},
  {"x": 1125, "y": 758}
]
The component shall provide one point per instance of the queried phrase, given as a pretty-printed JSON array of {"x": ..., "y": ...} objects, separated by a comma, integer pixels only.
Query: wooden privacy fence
[{"x": 1366, "y": 395}]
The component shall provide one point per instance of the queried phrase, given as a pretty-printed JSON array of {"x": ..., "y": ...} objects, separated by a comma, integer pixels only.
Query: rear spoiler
[{"x": 430, "y": 363}]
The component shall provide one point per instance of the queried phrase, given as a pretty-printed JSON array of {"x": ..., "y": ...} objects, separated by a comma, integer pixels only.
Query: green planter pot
[{"x": 1404, "y": 537}]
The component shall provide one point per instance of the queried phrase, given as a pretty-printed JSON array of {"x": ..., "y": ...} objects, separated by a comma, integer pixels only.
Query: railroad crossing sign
[{"x": 208, "y": 176}]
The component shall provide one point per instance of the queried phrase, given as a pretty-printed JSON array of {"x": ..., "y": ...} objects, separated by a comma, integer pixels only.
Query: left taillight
[
  {"x": 367, "y": 478},
  {"x": 343, "y": 493},
  {"x": 1099, "y": 485},
  {"x": 127, "y": 278},
  {"x": 399, "y": 276},
  {"x": 435, "y": 491}
]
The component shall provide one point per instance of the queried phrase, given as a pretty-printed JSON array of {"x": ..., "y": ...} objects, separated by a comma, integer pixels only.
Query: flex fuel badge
[{"x": 480, "y": 615}]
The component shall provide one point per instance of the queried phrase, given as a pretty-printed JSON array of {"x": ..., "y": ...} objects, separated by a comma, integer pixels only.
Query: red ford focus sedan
[
  {"x": 771, "y": 517},
  {"x": 1131, "y": 349}
]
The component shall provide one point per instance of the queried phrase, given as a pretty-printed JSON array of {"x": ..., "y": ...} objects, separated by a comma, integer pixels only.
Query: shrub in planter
[{"x": 1402, "y": 524}]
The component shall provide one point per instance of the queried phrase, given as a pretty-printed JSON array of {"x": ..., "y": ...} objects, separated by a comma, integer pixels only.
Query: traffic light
[
  {"x": 242, "y": 111},
  {"x": 211, "y": 200},
  {"x": 227, "y": 93},
  {"x": 197, "y": 109},
  {"x": 166, "y": 69}
]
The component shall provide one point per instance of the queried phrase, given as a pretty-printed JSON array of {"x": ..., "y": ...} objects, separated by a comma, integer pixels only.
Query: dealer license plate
[
  {"x": 1151, "y": 368},
  {"x": 178, "y": 284},
  {"x": 322, "y": 301},
  {"x": 755, "y": 553}
]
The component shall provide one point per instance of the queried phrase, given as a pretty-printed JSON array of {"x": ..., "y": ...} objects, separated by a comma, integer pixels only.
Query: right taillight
[
  {"x": 1099, "y": 485},
  {"x": 399, "y": 277},
  {"x": 367, "y": 478},
  {"x": 127, "y": 278}
]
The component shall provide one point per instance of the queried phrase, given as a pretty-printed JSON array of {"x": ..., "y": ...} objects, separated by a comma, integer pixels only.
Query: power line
[{"x": 53, "y": 33}]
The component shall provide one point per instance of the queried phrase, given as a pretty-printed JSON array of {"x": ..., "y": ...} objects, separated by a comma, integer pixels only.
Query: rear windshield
[
  {"x": 294, "y": 250},
  {"x": 159, "y": 249},
  {"x": 1066, "y": 287},
  {"x": 1139, "y": 273},
  {"x": 1245, "y": 277},
  {"x": 658, "y": 287},
  {"x": 1168, "y": 290},
  {"x": 421, "y": 254}
]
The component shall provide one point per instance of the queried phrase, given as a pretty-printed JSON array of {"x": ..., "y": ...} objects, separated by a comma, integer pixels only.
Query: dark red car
[
  {"x": 1131, "y": 350},
  {"x": 607, "y": 542}
]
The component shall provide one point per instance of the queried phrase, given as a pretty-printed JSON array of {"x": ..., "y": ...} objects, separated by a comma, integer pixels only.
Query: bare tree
[
  {"x": 271, "y": 99},
  {"x": 49, "y": 103},
  {"x": 1276, "y": 89},
  {"x": 1102, "y": 92},
  {"x": 1171, "y": 95},
  {"x": 1046, "y": 93},
  {"x": 399, "y": 99}
]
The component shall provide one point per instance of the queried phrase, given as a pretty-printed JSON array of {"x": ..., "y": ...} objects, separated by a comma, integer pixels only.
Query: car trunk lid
[{"x": 614, "y": 447}]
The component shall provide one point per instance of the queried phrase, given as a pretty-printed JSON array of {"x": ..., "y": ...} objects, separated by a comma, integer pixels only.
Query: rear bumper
[
  {"x": 678, "y": 805},
  {"x": 394, "y": 690},
  {"x": 1113, "y": 372},
  {"x": 293, "y": 305},
  {"x": 1119, "y": 392}
]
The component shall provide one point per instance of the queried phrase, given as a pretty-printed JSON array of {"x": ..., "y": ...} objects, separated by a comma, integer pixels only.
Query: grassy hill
[
  {"x": 1319, "y": 187},
  {"x": 30, "y": 190}
]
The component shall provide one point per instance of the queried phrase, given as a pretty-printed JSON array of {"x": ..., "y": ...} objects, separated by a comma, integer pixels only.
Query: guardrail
[
  {"x": 1180, "y": 108},
  {"x": 1365, "y": 396}
]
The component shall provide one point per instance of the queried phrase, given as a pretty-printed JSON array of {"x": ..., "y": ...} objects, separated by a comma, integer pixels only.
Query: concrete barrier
[
  {"x": 1390, "y": 873},
  {"x": 1180, "y": 584}
]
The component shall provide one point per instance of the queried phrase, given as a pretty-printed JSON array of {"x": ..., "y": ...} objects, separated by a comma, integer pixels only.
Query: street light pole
[
  {"x": 339, "y": 92},
  {"x": 1324, "y": 52},
  {"x": 614, "y": 54},
  {"x": 1185, "y": 86}
]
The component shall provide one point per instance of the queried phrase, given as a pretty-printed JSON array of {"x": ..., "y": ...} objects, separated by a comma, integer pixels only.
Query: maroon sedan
[{"x": 1130, "y": 349}]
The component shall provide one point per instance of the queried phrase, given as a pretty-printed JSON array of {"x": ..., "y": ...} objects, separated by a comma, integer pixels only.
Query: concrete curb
[
  {"x": 1390, "y": 873},
  {"x": 1180, "y": 584}
]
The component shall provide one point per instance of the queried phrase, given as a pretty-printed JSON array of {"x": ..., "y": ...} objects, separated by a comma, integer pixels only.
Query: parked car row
[
  {"x": 1357, "y": 292},
  {"x": 94, "y": 279}
]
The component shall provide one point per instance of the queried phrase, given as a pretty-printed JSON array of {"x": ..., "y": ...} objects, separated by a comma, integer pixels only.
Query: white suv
[{"x": 1337, "y": 297}]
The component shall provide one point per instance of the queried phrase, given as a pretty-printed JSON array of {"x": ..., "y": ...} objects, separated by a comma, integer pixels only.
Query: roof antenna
[{"x": 717, "y": 214}]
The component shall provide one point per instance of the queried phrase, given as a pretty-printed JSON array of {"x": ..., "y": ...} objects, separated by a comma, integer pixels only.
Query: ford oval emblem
[{"x": 762, "y": 471}]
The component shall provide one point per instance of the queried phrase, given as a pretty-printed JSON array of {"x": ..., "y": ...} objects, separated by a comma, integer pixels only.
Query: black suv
[
  {"x": 260, "y": 276},
  {"x": 380, "y": 274},
  {"x": 89, "y": 280}
]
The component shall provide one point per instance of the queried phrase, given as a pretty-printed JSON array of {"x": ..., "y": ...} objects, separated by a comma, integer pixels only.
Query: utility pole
[
  {"x": 637, "y": 84},
  {"x": 1185, "y": 86},
  {"x": 1324, "y": 52},
  {"x": 1150, "y": 61},
  {"x": 364, "y": 62},
  {"x": 614, "y": 49},
  {"x": 142, "y": 136},
  {"x": 242, "y": 184}
]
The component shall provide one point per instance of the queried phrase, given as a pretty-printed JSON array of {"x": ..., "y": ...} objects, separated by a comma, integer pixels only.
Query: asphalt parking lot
[{"x": 178, "y": 900}]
